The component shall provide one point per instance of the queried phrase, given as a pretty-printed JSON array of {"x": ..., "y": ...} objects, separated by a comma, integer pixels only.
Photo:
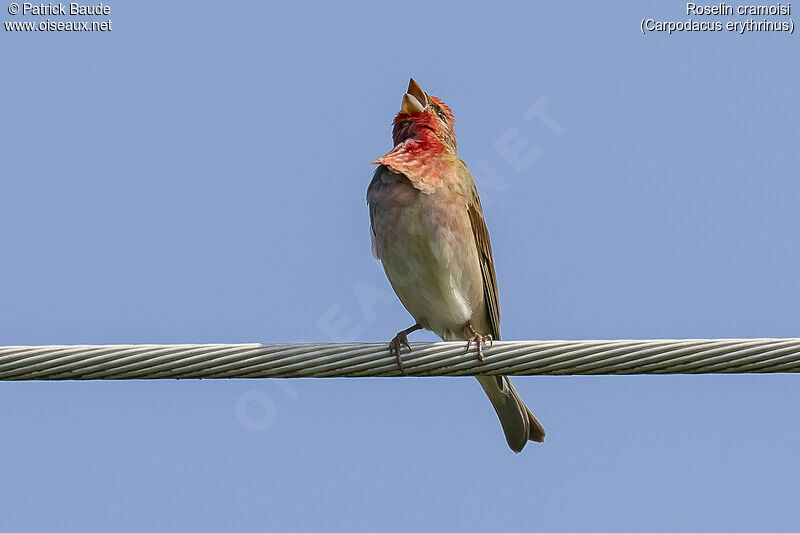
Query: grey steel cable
[{"x": 193, "y": 361}]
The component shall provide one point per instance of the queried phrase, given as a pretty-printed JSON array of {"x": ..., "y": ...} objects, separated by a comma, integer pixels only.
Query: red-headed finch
[{"x": 428, "y": 231}]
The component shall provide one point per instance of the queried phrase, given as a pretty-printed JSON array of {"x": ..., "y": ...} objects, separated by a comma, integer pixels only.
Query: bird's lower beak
[
  {"x": 415, "y": 99},
  {"x": 411, "y": 105}
]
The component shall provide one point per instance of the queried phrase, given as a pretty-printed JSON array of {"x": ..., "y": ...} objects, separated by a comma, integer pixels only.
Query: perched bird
[{"x": 428, "y": 231}]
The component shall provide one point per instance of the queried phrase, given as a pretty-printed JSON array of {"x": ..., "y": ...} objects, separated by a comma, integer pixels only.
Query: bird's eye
[{"x": 441, "y": 114}]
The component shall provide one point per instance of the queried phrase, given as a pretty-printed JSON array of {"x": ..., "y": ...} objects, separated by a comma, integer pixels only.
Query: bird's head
[{"x": 424, "y": 118}]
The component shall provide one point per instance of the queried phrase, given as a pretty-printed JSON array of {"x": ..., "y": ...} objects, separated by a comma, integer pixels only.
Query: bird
[{"x": 428, "y": 231}]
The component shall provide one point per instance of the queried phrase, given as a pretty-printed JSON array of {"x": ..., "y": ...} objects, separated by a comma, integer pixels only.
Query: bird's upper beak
[{"x": 415, "y": 99}]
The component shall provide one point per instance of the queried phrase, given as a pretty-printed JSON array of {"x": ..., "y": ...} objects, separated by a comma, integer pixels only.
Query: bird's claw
[
  {"x": 479, "y": 341},
  {"x": 396, "y": 347}
]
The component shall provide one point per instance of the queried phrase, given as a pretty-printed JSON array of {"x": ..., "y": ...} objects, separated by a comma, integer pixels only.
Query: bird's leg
[
  {"x": 479, "y": 340},
  {"x": 400, "y": 340}
]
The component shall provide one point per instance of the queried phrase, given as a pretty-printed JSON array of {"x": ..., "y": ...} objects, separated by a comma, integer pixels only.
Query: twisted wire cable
[{"x": 522, "y": 358}]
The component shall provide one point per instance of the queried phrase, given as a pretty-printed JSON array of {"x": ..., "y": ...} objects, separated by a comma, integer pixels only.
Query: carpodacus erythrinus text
[{"x": 428, "y": 231}]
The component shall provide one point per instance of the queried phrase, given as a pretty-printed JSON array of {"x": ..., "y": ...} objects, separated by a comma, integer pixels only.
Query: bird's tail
[{"x": 519, "y": 424}]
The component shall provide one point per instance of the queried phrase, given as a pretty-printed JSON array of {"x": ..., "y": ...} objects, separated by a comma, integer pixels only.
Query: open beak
[{"x": 415, "y": 100}]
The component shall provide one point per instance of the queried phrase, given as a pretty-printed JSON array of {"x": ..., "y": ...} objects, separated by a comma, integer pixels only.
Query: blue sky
[{"x": 198, "y": 175}]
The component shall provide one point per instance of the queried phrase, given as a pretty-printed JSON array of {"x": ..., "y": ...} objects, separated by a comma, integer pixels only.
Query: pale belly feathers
[{"x": 428, "y": 251}]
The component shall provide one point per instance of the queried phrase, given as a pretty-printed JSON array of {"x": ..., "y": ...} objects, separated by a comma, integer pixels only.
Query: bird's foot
[
  {"x": 400, "y": 340},
  {"x": 479, "y": 341},
  {"x": 396, "y": 347}
]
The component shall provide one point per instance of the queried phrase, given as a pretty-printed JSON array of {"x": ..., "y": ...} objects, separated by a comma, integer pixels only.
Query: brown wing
[{"x": 487, "y": 261}]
